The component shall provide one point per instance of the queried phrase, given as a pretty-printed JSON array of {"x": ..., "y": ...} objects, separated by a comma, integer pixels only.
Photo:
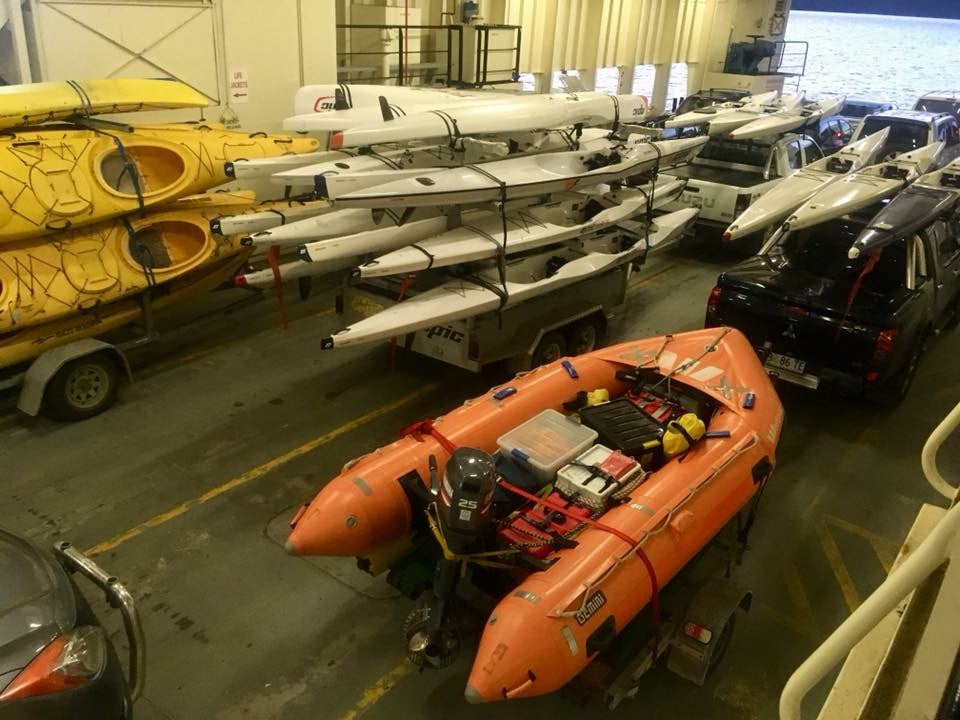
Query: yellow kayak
[
  {"x": 25, "y": 345},
  {"x": 57, "y": 178},
  {"x": 45, "y": 279},
  {"x": 41, "y": 102}
]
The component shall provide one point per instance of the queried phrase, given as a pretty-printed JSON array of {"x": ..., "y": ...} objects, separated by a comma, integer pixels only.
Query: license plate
[{"x": 776, "y": 361}]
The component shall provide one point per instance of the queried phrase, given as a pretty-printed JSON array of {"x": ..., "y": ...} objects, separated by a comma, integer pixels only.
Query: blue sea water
[{"x": 880, "y": 57}]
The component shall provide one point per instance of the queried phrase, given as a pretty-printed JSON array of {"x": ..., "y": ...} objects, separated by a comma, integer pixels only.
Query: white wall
[{"x": 278, "y": 45}]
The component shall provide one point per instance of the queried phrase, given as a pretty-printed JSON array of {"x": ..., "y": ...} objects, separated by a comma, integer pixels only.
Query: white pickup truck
[{"x": 728, "y": 175}]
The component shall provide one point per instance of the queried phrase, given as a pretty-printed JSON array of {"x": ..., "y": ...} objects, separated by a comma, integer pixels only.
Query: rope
[
  {"x": 82, "y": 94},
  {"x": 655, "y": 617}
]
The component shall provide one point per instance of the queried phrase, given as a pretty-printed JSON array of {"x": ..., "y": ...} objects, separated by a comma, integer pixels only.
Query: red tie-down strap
[
  {"x": 651, "y": 571},
  {"x": 426, "y": 427}
]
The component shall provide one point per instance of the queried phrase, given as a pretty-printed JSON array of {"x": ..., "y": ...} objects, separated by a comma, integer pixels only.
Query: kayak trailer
[{"x": 79, "y": 379}]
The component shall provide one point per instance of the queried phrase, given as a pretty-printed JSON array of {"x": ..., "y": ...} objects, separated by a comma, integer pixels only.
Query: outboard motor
[
  {"x": 464, "y": 504},
  {"x": 466, "y": 495}
]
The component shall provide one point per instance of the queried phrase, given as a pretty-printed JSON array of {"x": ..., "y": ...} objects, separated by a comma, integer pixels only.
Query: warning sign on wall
[{"x": 238, "y": 88}]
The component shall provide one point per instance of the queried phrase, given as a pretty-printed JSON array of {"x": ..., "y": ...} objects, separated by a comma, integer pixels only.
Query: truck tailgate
[
  {"x": 795, "y": 328},
  {"x": 721, "y": 176}
]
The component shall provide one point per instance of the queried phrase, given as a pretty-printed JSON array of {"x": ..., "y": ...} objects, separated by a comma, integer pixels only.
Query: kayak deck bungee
[
  {"x": 36, "y": 103},
  {"x": 62, "y": 177},
  {"x": 776, "y": 204},
  {"x": 41, "y": 281},
  {"x": 556, "y": 596},
  {"x": 481, "y": 237},
  {"x": 493, "y": 287}
]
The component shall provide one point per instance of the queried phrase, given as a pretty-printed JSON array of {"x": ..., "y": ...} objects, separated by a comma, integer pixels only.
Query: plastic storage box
[
  {"x": 546, "y": 442},
  {"x": 596, "y": 475}
]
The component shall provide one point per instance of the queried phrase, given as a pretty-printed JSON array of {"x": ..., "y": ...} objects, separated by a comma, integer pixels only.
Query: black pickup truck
[{"x": 851, "y": 302}]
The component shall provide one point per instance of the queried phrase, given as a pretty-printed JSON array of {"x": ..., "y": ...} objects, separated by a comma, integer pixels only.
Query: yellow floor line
[
  {"x": 258, "y": 471},
  {"x": 798, "y": 597},
  {"x": 373, "y": 694},
  {"x": 838, "y": 566}
]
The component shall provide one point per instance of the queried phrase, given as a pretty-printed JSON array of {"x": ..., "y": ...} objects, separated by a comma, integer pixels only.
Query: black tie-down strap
[
  {"x": 502, "y": 252},
  {"x": 450, "y": 122},
  {"x": 141, "y": 253},
  {"x": 129, "y": 168}
]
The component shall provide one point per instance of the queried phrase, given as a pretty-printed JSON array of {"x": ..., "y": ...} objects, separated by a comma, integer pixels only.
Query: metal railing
[
  {"x": 926, "y": 558},
  {"x": 427, "y": 54}
]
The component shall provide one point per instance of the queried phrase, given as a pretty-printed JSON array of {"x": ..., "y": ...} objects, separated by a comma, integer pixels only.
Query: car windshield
[
  {"x": 821, "y": 252},
  {"x": 742, "y": 152},
  {"x": 938, "y": 106},
  {"x": 862, "y": 109},
  {"x": 905, "y": 135}
]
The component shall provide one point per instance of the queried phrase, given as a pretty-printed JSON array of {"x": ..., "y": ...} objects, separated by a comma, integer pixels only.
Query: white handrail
[
  {"x": 926, "y": 558},
  {"x": 928, "y": 458}
]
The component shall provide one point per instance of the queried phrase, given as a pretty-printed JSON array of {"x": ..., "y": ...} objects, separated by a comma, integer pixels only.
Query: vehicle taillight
[
  {"x": 713, "y": 301},
  {"x": 697, "y": 632},
  {"x": 743, "y": 202},
  {"x": 69, "y": 661},
  {"x": 884, "y": 344}
]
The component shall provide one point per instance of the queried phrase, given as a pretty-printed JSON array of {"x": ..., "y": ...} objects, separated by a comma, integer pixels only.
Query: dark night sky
[{"x": 920, "y": 8}]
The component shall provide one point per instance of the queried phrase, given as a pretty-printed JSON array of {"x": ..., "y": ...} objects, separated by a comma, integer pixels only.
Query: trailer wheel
[
  {"x": 83, "y": 387},
  {"x": 584, "y": 336},
  {"x": 552, "y": 346}
]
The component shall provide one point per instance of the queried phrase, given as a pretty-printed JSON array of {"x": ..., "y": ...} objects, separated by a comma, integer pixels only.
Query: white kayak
[
  {"x": 274, "y": 213},
  {"x": 327, "y": 108},
  {"x": 526, "y": 278},
  {"x": 505, "y": 114},
  {"x": 375, "y": 240},
  {"x": 864, "y": 188},
  {"x": 520, "y": 177},
  {"x": 289, "y": 271},
  {"x": 259, "y": 168},
  {"x": 469, "y": 150},
  {"x": 782, "y": 122},
  {"x": 481, "y": 236},
  {"x": 775, "y": 205},
  {"x": 726, "y": 123},
  {"x": 334, "y": 224},
  {"x": 704, "y": 115}
]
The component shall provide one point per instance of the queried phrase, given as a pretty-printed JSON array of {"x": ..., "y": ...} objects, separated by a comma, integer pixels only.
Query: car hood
[{"x": 36, "y": 603}]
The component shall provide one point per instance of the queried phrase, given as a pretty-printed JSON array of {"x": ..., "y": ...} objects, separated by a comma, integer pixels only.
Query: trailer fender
[
  {"x": 46, "y": 366},
  {"x": 705, "y": 632}
]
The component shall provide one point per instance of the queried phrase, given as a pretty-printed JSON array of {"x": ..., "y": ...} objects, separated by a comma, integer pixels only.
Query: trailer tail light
[
  {"x": 697, "y": 632},
  {"x": 743, "y": 202},
  {"x": 884, "y": 345},
  {"x": 69, "y": 661}
]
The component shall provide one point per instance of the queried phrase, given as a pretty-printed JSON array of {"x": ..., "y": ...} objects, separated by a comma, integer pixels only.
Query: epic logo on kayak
[
  {"x": 324, "y": 103},
  {"x": 596, "y": 601},
  {"x": 446, "y": 333}
]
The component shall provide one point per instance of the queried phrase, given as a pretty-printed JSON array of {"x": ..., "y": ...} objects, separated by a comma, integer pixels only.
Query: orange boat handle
[{"x": 522, "y": 687}]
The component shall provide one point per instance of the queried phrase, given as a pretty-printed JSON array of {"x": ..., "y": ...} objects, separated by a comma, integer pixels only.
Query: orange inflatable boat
[{"x": 586, "y": 485}]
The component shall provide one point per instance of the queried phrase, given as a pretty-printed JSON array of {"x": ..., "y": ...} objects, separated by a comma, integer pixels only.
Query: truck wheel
[
  {"x": 552, "y": 346},
  {"x": 84, "y": 387},
  {"x": 584, "y": 336}
]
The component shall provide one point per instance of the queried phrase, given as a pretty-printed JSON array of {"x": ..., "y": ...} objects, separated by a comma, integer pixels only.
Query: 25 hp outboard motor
[
  {"x": 463, "y": 508},
  {"x": 466, "y": 494}
]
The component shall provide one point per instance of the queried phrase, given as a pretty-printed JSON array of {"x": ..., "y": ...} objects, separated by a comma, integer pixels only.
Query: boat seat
[
  {"x": 624, "y": 425},
  {"x": 892, "y": 172},
  {"x": 839, "y": 166},
  {"x": 950, "y": 180}
]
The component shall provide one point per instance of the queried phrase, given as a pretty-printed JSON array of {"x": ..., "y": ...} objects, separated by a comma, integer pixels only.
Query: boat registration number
[{"x": 776, "y": 361}]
